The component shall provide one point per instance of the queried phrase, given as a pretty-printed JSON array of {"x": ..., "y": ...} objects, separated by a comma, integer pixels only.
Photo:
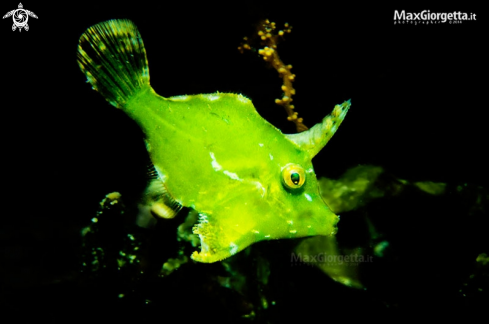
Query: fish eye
[{"x": 293, "y": 176}]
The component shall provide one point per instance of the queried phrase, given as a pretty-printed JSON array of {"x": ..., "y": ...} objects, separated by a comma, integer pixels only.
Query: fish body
[{"x": 214, "y": 152}]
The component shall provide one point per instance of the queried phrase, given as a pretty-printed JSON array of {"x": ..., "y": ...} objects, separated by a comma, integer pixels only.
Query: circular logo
[{"x": 20, "y": 18}]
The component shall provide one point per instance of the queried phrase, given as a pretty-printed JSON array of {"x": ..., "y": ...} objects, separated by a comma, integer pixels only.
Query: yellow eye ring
[{"x": 293, "y": 176}]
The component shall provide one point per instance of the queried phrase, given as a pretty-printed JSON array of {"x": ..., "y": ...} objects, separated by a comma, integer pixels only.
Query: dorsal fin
[{"x": 314, "y": 139}]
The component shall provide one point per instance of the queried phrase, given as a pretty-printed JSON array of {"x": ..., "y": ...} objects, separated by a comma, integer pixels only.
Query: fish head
[{"x": 268, "y": 199}]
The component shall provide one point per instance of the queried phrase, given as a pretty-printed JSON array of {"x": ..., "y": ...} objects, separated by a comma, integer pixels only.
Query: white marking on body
[
  {"x": 293, "y": 231},
  {"x": 180, "y": 98},
  {"x": 290, "y": 222},
  {"x": 161, "y": 175},
  {"x": 308, "y": 197},
  {"x": 261, "y": 144},
  {"x": 310, "y": 170},
  {"x": 267, "y": 236},
  {"x": 216, "y": 166},
  {"x": 271, "y": 156},
  {"x": 243, "y": 99},
  {"x": 203, "y": 244},
  {"x": 211, "y": 96},
  {"x": 203, "y": 218},
  {"x": 255, "y": 231},
  {"x": 259, "y": 186},
  {"x": 232, "y": 175},
  {"x": 233, "y": 248},
  {"x": 214, "y": 163}
]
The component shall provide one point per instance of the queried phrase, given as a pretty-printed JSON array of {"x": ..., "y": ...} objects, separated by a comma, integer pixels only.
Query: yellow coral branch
[{"x": 269, "y": 40}]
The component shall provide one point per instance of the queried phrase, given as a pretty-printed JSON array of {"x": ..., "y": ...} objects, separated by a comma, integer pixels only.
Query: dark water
[{"x": 418, "y": 111}]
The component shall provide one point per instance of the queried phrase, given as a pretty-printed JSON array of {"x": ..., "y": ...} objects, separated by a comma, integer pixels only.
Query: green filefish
[{"x": 214, "y": 153}]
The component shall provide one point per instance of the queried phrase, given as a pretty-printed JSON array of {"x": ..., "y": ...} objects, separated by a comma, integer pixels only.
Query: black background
[{"x": 418, "y": 105}]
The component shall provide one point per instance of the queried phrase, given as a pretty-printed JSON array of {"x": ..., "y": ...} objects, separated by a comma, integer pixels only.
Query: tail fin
[{"x": 112, "y": 56}]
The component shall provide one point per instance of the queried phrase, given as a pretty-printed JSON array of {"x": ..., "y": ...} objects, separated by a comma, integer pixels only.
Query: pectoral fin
[{"x": 159, "y": 200}]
